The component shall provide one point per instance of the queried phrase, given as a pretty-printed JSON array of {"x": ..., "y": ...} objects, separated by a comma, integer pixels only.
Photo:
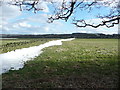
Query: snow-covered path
[{"x": 15, "y": 59}]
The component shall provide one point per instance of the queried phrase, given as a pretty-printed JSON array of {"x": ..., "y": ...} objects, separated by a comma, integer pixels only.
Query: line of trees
[{"x": 73, "y": 35}]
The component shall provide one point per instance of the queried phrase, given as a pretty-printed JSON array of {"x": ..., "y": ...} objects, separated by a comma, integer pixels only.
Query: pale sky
[{"x": 14, "y": 21}]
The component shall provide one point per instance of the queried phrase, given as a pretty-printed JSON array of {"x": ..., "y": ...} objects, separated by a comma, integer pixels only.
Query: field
[
  {"x": 7, "y": 45},
  {"x": 81, "y": 63}
]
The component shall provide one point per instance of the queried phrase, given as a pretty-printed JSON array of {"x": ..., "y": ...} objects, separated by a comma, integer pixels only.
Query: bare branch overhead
[{"x": 67, "y": 9}]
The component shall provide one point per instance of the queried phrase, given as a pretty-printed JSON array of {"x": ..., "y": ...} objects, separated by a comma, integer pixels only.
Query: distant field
[
  {"x": 13, "y": 44},
  {"x": 81, "y": 63}
]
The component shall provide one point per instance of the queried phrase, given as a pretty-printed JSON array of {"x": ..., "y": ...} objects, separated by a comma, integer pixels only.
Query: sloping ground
[{"x": 81, "y": 63}]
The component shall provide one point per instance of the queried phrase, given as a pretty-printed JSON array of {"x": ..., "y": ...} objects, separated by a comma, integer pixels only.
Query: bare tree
[{"x": 67, "y": 9}]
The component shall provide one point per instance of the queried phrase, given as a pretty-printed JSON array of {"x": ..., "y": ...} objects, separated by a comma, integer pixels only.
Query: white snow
[{"x": 14, "y": 60}]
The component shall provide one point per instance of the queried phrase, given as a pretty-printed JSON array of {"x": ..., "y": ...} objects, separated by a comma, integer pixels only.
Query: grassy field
[
  {"x": 7, "y": 45},
  {"x": 81, "y": 63}
]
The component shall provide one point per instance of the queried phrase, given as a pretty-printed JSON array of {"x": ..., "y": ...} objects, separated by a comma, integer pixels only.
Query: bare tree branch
[
  {"x": 61, "y": 14},
  {"x": 104, "y": 23},
  {"x": 68, "y": 8}
]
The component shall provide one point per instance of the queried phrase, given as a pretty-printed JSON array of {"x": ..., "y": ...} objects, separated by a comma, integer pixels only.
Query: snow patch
[{"x": 14, "y": 60}]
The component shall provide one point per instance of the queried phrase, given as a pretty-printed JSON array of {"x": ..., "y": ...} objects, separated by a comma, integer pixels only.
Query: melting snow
[{"x": 14, "y": 60}]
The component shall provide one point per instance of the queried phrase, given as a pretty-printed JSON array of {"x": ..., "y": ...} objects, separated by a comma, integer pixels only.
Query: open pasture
[{"x": 81, "y": 63}]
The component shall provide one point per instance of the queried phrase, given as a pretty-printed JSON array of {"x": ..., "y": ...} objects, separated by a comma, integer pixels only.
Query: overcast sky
[{"x": 14, "y": 21}]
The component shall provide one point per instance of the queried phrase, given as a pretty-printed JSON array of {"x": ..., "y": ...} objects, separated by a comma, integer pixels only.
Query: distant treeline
[{"x": 73, "y": 35}]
